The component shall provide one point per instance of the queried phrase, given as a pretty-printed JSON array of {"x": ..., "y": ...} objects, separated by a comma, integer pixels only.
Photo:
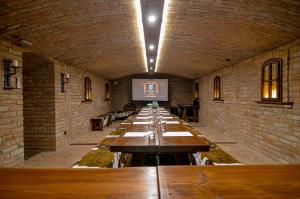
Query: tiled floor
[
  {"x": 70, "y": 154},
  {"x": 239, "y": 151}
]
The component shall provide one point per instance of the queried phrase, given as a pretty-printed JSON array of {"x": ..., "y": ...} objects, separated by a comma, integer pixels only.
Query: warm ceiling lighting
[
  {"x": 162, "y": 32},
  {"x": 151, "y": 68},
  {"x": 151, "y": 19},
  {"x": 141, "y": 30},
  {"x": 151, "y": 47},
  {"x": 151, "y": 60}
]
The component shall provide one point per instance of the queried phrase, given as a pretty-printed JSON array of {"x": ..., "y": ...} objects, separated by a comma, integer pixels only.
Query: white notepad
[
  {"x": 112, "y": 136},
  {"x": 167, "y": 117},
  {"x": 177, "y": 133},
  {"x": 137, "y": 134},
  {"x": 164, "y": 114},
  {"x": 142, "y": 122}
]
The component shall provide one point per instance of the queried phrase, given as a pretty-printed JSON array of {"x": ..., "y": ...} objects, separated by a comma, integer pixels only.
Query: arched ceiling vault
[{"x": 101, "y": 36}]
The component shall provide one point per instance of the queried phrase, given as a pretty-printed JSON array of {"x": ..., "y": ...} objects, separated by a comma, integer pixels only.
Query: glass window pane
[
  {"x": 266, "y": 72},
  {"x": 274, "y": 71},
  {"x": 266, "y": 90},
  {"x": 274, "y": 90}
]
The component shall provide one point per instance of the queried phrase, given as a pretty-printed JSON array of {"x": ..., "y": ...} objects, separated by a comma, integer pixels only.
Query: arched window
[
  {"x": 217, "y": 88},
  {"x": 87, "y": 89},
  {"x": 107, "y": 91},
  {"x": 271, "y": 84}
]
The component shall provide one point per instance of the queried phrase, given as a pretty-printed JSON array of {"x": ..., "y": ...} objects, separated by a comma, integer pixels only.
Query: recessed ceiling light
[
  {"x": 152, "y": 19},
  {"x": 162, "y": 33},
  {"x": 151, "y": 68},
  {"x": 151, "y": 60},
  {"x": 151, "y": 47}
]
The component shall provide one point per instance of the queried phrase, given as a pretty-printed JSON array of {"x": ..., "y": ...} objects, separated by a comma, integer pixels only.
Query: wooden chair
[
  {"x": 105, "y": 121},
  {"x": 97, "y": 124}
]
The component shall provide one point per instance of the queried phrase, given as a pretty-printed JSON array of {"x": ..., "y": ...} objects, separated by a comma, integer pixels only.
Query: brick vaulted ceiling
[{"x": 101, "y": 36}]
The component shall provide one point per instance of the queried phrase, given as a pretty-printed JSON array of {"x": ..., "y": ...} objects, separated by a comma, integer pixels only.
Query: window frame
[
  {"x": 217, "y": 88},
  {"x": 278, "y": 80},
  {"x": 87, "y": 93}
]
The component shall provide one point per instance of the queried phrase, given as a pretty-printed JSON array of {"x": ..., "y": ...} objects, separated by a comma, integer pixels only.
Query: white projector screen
[{"x": 150, "y": 89}]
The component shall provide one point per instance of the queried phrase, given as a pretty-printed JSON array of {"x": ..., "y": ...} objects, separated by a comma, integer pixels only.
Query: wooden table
[
  {"x": 167, "y": 182},
  {"x": 132, "y": 144},
  {"x": 128, "y": 183},
  {"x": 197, "y": 182},
  {"x": 160, "y": 143}
]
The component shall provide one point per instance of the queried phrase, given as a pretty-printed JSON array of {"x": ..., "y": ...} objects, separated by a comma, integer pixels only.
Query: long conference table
[
  {"x": 136, "y": 136},
  {"x": 165, "y": 182}
]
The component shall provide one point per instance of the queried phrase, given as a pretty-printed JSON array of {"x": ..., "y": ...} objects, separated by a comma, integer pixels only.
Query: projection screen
[{"x": 150, "y": 89}]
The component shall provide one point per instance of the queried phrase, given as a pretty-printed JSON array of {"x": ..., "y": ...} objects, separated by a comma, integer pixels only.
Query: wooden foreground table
[
  {"x": 128, "y": 183},
  {"x": 166, "y": 182},
  {"x": 240, "y": 182}
]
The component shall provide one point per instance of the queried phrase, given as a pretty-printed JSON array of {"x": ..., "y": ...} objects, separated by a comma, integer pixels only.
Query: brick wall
[
  {"x": 273, "y": 130},
  {"x": 72, "y": 115},
  {"x": 11, "y": 113},
  {"x": 39, "y": 109},
  {"x": 51, "y": 118},
  {"x": 180, "y": 90}
]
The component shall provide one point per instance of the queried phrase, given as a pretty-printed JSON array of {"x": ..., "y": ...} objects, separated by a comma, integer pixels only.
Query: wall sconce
[
  {"x": 8, "y": 65},
  {"x": 64, "y": 80}
]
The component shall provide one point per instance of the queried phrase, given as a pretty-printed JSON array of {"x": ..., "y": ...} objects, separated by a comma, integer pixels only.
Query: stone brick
[
  {"x": 11, "y": 147},
  {"x": 269, "y": 129}
]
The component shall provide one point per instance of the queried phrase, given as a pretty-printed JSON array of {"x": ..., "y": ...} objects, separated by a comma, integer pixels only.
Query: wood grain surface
[
  {"x": 128, "y": 183},
  {"x": 276, "y": 181}
]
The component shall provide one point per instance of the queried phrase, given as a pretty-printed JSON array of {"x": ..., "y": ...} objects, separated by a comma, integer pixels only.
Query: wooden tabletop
[
  {"x": 128, "y": 183},
  {"x": 188, "y": 144},
  {"x": 160, "y": 143},
  {"x": 276, "y": 181},
  {"x": 167, "y": 182}
]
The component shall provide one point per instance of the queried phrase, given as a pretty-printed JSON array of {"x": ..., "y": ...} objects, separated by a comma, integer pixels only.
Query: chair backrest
[
  {"x": 105, "y": 122},
  {"x": 113, "y": 116}
]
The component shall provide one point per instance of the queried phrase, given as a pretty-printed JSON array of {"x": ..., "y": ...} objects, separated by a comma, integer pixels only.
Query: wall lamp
[
  {"x": 10, "y": 68},
  {"x": 64, "y": 80}
]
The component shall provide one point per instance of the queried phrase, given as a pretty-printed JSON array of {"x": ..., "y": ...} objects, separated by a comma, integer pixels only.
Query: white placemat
[
  {"x": 137, "y": 134},
  {"x": 112, "y": 136},
  {"x": 167, "y": 117},
  {"x": 125, "y": 123},
  {"x": 177, "y": 133},
  {"x": 142, "y": 122}
]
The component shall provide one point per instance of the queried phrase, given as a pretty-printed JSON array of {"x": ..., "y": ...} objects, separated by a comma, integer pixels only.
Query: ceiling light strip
[
  {"x": 162, "y": 33},
  {"x": 141, "y": 30}
]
